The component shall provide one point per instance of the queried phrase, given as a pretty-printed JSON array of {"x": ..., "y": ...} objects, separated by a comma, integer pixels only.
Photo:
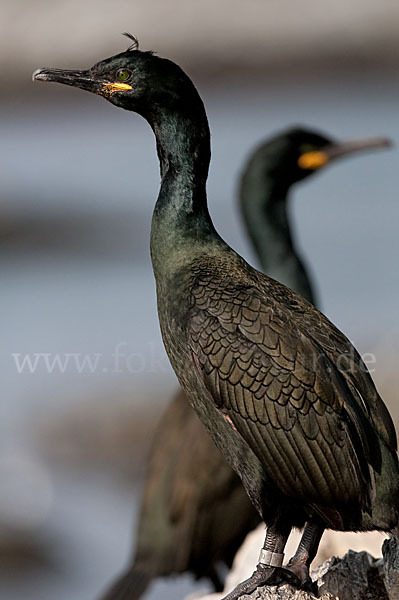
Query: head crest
[{"x": 135, "y": 45}]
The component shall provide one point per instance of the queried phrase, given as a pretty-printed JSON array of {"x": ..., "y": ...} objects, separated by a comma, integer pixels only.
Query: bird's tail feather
[{"x": 129, "y": 586}]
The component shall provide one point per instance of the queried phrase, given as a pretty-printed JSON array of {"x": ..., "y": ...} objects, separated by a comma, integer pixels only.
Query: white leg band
[{"x": 271, "y": 559}]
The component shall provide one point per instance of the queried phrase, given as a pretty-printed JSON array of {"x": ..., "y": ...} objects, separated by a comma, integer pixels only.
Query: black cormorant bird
[
  {"x": 191, "y": 523},
  {"x": 283, "y": 393}
]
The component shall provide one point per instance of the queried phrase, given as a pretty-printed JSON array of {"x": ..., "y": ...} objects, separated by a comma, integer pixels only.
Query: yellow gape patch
[
  {"x": 313, "y": 160},
  {"x": 111, "y": 88}
]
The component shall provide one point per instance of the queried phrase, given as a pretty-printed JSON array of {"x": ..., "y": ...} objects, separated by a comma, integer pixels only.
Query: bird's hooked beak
[
  {"x": 319, "y": 158},
  {"x": 81, "y": 79}
]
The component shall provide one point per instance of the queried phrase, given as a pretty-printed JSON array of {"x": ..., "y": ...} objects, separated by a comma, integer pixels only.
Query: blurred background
[{"x": 84, "y": 374}]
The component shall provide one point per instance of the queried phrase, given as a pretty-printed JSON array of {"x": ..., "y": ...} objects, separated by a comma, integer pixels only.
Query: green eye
[{"x": 123, "y": 74}]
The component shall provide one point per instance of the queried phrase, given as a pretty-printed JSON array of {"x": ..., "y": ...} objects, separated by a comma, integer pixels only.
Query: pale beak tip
[
  {"x": 383, "y": 142},
  {"x": 38, "y": 75}
]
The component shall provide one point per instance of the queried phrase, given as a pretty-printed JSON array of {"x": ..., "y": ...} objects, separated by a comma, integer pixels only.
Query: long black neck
[
  {"x": 181, "y": 224},
  {"x": 263, "y": 199}
]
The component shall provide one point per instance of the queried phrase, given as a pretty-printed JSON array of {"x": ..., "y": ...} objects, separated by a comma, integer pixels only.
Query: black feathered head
[{"x": 133, "y": 80}]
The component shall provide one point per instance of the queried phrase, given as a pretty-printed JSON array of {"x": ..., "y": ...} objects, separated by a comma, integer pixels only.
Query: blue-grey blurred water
[{"x": 75, "y": 159}]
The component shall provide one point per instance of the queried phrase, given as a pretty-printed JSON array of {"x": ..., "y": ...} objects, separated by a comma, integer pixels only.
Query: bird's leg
[
  {"x": 269, "y": 570},
  {"x": 306, "y": 551}
]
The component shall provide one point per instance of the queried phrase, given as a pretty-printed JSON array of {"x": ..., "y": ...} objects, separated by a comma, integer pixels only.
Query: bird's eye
[{"x": 123, "y": 74}]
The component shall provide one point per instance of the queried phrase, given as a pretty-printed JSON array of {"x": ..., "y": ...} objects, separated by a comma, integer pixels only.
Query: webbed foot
[{"x": 264, "y": 575}]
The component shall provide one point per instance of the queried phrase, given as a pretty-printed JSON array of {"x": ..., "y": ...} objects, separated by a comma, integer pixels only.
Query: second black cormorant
[
  {"x": 285, "y": 396},
  {"x": 269, "y": 173}
]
